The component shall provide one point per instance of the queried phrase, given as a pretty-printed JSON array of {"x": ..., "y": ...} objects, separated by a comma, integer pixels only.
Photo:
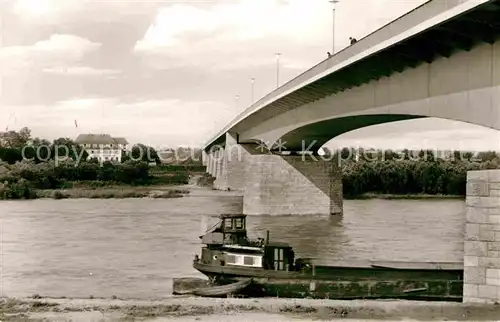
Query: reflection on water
[{"x": 133, "y": 248}]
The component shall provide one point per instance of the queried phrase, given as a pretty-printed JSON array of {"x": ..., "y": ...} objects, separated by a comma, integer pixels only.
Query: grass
[
  {"x": 169, "y": 179},
  {"x": 112, "y": 193},
  {"x": 161, "y": 185}
]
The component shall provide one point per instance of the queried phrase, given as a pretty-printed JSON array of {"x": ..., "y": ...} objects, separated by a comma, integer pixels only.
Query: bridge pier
[
  {"x": 213, "y": 167},
  {"x": 220, "y": 173},
  {"x": 231, "y": 162},
  {"x": 214, "y": 164},
  {"x": 209, "y": 163},
  {"x": 220, "y": 182},
  {"x": 482, "y": 238},
  {"x": 204, "y": 158},
  {"x": 291, "y": 185},
  {"x": 236, "y": 155},
  {"x": 277, "y": 184}
]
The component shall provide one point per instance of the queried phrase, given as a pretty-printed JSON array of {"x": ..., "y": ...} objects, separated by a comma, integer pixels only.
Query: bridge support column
[
  {"x": 204, "y": 158},
  {"x": 214, "y": 164},
  {"x": 233, "y": 165},
  {"x": 218, "y": 163},
  {"x": 210, "y": 165},
  {"x": 482, "y": 238},
  {"x": 220, "y": 182},
  {"x": 283, "y": 185},
  {"x": 236, "y": 157}
]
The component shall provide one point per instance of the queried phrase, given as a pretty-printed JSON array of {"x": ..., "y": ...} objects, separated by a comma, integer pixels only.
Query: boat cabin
[
  {"x": 228, "y": 245},
  {"x": 278, "y": 257},
  {"x": 231, "y": 230}
]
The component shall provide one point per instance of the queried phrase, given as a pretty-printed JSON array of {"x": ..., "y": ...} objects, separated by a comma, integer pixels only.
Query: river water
[{"x": 132, "y": 248}]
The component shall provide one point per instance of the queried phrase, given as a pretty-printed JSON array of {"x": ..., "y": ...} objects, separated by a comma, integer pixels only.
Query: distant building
[{"x": 103, "y": 147}]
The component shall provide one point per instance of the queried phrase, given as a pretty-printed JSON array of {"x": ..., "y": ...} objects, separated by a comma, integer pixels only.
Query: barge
[{"x": 267, "y": 268}]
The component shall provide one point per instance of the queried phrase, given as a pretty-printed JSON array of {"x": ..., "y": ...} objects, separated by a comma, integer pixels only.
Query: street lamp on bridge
[
  {"x": 236, "y": 99},
  {"x": 278, "y": 69},
  {"x": 252, "y": 80},
  {"x": 334, "y": 4}
]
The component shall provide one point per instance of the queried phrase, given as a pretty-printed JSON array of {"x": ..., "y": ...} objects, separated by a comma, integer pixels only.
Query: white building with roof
[{"x": 103, "y": 147}]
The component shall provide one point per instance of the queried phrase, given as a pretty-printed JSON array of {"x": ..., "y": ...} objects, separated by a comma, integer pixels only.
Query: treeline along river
[
  {"x": 387, "y": 174},
  {"x": 380, "y": 172},
  {"x": 132, "y": 248}
]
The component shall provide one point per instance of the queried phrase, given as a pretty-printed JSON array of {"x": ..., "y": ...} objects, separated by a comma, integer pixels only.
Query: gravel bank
[{"x": 268, "y": 309}]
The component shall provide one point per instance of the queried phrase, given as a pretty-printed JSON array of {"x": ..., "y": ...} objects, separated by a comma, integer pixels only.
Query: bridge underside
[{"x": 313, "y": 136}]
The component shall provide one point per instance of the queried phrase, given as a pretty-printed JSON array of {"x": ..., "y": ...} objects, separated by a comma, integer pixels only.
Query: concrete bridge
[{"x": 440, "y": 60}]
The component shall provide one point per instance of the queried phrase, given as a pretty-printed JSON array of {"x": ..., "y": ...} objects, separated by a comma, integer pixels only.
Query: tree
[
  {"x": 347, "y": 154},
  {"x": 10, "y": 155},
  {"x": 389, "y": 155},
  {"x": 68, "y": 148},
  {"x": 487, "y": 156},
  {"x": 15, "y": 140},
  {"x": 141, "y": 152},
  {"x": 468, "y": 156}
]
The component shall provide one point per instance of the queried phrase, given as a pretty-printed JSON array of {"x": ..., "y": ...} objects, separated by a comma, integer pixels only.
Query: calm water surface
[{"x": 132, "y": 248}]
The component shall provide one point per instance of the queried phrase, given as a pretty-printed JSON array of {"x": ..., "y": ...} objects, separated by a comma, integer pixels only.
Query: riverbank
[
  {"x": 265, "y": 309},
  {"x": 401, "y": 196},
  {"x": 114, "y": 193},
  {"x": 25, "y": 180},
  {"x": 196, "y": 181},
  {"x": 156, "y": 191},
  {"x": 178, "y": 191}
]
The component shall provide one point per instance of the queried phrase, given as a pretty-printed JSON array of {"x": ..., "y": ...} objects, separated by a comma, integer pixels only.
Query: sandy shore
[{"x": 263, "y": 309}]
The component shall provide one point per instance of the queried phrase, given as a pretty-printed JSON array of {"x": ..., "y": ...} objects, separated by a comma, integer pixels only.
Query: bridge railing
[{"x": 398, "y": 26}]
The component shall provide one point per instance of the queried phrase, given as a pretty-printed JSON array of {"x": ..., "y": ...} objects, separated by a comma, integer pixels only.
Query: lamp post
[
  {"x": 252, "y": 80},
  {"x": 2, "y": 25},
  {"x": 278, "y": 69},
  {"x": 334, "y": 4}
]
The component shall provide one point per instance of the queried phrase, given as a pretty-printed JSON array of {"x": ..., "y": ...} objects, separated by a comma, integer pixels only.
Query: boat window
[
  {"x": 243, "y": 260},
  {"x": 279, "y": 257},
  {"x": 231, "y": 259},
  {"x": 239, "y": 223},
  {"x": 228, "y": 223}
]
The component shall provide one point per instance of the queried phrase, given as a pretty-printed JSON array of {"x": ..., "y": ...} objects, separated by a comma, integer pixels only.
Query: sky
[{"x": 173, "y": 73}]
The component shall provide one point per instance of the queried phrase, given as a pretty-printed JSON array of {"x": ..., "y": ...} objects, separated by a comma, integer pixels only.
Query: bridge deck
[{"x": 438, "y": 28}]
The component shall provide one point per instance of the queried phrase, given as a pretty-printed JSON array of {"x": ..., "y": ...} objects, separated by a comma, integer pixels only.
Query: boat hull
[{"x": 344, "y": 283}]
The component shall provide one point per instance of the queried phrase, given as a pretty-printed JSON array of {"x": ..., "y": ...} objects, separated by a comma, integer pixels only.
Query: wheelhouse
[{"x": 231, "y": 229}]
